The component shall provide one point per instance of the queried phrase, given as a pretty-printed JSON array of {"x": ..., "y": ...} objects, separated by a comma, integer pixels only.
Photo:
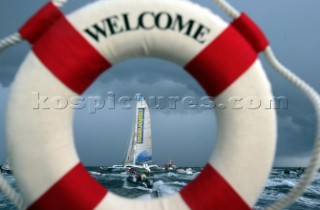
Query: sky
[{"x": 184, "y": 135}]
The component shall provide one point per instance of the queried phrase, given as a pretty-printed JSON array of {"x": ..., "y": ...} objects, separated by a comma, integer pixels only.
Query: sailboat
[
  {"x": 6, "y": 168},
  {"x": 139, "y": 150}
]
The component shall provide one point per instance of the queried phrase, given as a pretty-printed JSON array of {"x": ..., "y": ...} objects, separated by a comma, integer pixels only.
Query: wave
[{"x": 169, "y": 183}]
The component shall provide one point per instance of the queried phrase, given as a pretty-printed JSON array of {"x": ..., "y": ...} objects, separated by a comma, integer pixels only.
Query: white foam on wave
[
  {"x": 270, "y": 195},
  {"x": 160, "y": 176},
  {"x": 118, "y": 175},
  {"x": 178, "y": 183},
  {"x": 4, "y": 201},
  {"x": 2, "y": 206},
  {"x": 94, "y": 173},
  {"x": 290, "y": 182},
  {"x": 165, "y": 189},
  {"x": 310, "y": 200},
  {"x": 171, "y": 174},
  {"x": 112, "y": 177},
  {"x": 280, "y": 181},
  {"x": 9, "y": 178},
  {"x": 312, "y": 203},
  {"x": 314, "y": 189},
  {"x": 158, "y": 183}
]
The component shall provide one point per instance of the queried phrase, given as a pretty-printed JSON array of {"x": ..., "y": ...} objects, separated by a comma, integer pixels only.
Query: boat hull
[{"x": 118, "y": 168}]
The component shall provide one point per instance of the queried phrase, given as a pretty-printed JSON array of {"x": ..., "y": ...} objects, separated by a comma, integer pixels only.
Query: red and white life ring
[{"x": 69, "y": 53}]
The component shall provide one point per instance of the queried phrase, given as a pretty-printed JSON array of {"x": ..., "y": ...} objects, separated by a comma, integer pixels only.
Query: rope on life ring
[
  {"x": 243, "y": 30},
  {"x": 314, "y": 98}
]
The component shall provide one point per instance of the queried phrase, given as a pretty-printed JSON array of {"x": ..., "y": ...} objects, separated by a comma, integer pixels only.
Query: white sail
[{"x": 140, "y": 146}]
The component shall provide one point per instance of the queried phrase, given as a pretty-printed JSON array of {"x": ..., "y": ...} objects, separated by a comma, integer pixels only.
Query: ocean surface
[{"x": 169, "y": 183}]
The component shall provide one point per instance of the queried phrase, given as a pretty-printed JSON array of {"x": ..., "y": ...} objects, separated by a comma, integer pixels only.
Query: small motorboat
[
  {"x": 140, "y": 180},
  {"x": 169, "y": 166},
  {"x": 293, "y": 172}
]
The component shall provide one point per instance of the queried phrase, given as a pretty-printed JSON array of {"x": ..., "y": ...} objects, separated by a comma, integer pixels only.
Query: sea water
[{"x": 169, "y": 183}]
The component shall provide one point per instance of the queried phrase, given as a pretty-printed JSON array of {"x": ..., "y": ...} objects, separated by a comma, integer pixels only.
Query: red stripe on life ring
[
  {"x": 211, "y": 191},
  {"x": 69, "y": 56},
  {"x": 224, "y": 60},
  {"x": 76, "y": 190},
  {"x": 40, "y": 22},
  {"x": 251, "y": 31}
]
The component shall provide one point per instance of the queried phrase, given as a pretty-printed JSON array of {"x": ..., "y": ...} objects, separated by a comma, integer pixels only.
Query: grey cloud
[
  {"x": 187, "y": 139},
  {"x": 150, "y": 75},
  {"x": 297, "y": 127}
]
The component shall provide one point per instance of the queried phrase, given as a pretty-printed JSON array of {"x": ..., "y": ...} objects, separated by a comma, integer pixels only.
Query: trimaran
[{"x": 139, "y": 150}]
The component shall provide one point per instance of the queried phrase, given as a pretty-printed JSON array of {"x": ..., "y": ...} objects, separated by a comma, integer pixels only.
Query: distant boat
[
  {"x": 139, "y": 150},
  {"x": 6, "y": 168},
  {"x": 170, "y": 166},
  {"x": 294, "y": 172}
]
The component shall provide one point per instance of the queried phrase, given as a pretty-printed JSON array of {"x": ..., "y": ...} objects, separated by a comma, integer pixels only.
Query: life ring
[{"x": 69, "y": 53}]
